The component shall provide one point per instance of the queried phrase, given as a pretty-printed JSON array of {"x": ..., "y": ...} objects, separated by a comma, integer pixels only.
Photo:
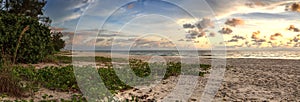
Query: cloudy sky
[{"x": 171, "y": 24}]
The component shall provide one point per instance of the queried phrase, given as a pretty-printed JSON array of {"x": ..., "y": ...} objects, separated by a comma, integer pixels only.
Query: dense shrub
[
  {"x": 35, "y": 44},
  {"x": 54, "y": 78},
  {"x": 56, "y": 41}
]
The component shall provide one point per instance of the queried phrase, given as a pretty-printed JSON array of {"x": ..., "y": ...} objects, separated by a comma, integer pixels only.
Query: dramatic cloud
[
  {"x": 200, "y": 25},
  {"x": 234, "y": 22},
  {"x": 204, "y": 23},
  {"x": 225, "y": 31},
  {"x": 297, "y": 45},
  {"x": 276, "y": 36},
  {"x": 256, "y": 35},
  {"x": 193, "y": 34},
  {"x": 189, "y": 36},
  {"x": 91, "y": 37},
  {"x": 198, "y": 29},
  {"x": 295, "y": 7},
  {"x": 296, "y": 38},
  {"x": 238, "y": 37},
  {"x": 260, "y": 40},
  {"x": 233, "y": 40},
  {"x": 260, "y": 15},
  {"x": 202, "y": 34},
  {"x": 256, "y": 4},
  {"x": 257, "y": 39},
  {"x": 293, "y": 28},
  {"x": 188, "y": 26}
]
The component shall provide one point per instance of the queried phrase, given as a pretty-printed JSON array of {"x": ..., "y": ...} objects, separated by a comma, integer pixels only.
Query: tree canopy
[
  {"x": 25, "y": 33},
  {"x": 28, "y": 8}
]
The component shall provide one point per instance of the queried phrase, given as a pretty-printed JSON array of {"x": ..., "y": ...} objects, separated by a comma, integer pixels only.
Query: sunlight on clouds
[
  {"x": 237, "y": 21},
  {"x": 186, "y": 20}
]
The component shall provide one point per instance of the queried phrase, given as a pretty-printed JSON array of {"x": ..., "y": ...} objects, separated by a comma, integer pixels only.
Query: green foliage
[
  {"x": 9, "y": 82},
  {"x": 205, "y": 66},
  {"x": 54, "y": 78},
  {"x": 69, "y": 59},
  {"x": 174, "y": 69},
  {"x": 140, "y": 68},
  {"x": 111, "y": 80},
  {"x": 31, "y": 8},
  {"x": 58, "y": 59},
  {"x": 35, "y": 43},
  {"x": 64, "y": 79},
  {"x": 57, "y": 42}
]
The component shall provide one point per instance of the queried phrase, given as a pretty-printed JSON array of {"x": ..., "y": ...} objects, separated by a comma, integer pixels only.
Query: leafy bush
[
  {"x": 54, "y": 78},
  {"x": 64, "y": 79},
  {"x": 69, "y": 59},
  {"x": 174, "y": 69},
  {"x": 57, "y": 78},
  {"x": 140, "y": 68},
  {"x": 57, "y": 42},
  {"x": 111, "y": 80},
  {"x": 35, "y": 43}
]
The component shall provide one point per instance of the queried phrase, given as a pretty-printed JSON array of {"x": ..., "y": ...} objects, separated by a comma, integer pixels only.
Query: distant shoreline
[{"x": 202, "y": 55}]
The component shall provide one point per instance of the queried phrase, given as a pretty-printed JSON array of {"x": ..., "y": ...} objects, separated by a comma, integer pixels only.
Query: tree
[
  {"x": 31, "y": 45},
  {"x": 35, "y": 44},
  {"x": 57, "y": 42},
  {"x": 32, "y": 8}
]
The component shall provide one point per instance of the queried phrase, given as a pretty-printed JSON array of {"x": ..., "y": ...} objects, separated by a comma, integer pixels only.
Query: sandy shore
[
  {"x": 261, "y": 80},
  {"x": 244, "y": 80}
]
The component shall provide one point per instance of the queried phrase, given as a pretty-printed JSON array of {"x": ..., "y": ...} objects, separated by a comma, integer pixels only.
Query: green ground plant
[
  {"x": 9, "y": 82},
  {"x": 64, "y": 79}
]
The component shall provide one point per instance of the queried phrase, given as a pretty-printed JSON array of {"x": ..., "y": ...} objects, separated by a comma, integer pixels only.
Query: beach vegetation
[
  {"x": 24, "y": 38},
  {"x": 63, "y": 78}
]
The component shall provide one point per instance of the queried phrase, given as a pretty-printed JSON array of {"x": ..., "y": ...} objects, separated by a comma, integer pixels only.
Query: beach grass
[{"x": 63, "y": 78}]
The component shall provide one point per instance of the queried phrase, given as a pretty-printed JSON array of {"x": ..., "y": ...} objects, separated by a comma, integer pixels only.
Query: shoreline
[{"x": 118, "y": 55}]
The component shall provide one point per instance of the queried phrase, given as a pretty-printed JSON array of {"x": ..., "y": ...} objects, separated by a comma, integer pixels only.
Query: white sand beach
[
  {"x": 244, "y": 80},
  {"x": 269, "y": 80}
]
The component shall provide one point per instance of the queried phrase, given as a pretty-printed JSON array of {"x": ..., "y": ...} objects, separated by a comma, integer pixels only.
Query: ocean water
[
  {"x": 218, "y": 54},
  {"x": 264, "y": 54}
]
